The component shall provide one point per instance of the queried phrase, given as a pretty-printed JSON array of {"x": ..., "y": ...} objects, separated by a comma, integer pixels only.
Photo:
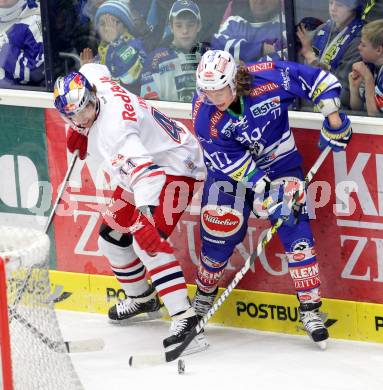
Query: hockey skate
[
  {"x": 144, "y": 307},
  {"x": 202, "y": 302},
  {"x": 180, "y": 327},
  {"x": 313, "y": 323}
]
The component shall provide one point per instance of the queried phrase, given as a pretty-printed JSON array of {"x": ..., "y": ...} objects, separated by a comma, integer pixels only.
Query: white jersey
[{"x": 139, "y": 144}]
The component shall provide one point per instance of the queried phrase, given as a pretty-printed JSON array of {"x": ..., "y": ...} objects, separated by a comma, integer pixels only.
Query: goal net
[{"x": 37, "y": 358}]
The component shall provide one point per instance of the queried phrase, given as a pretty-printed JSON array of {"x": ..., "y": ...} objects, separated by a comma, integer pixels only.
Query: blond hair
[{"x": 373, "y": 32}]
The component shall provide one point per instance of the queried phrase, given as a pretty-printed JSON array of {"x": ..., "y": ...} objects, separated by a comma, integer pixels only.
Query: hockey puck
[
  {"x": 181, "y": 366},
  {"x": 131, "y": 361}
]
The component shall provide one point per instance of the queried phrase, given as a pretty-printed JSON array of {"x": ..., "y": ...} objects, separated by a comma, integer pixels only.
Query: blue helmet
[{"x": 72, "y": 93}]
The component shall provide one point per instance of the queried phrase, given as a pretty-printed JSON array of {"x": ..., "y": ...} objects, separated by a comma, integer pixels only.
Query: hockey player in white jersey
[{"x": 157, "y": 162}]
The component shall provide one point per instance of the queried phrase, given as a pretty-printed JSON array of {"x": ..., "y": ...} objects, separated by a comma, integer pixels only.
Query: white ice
[{"x": 236, "y": 359}]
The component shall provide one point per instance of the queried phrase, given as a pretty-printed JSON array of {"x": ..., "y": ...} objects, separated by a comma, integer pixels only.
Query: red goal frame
[{"x": 5, "y": 342}]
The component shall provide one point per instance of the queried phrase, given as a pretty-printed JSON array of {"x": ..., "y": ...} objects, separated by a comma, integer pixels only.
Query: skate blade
[
  {"x": 151, "y": 316},
  {"x": 198, "y": 344},
  {"x": 321, "y": 344}
]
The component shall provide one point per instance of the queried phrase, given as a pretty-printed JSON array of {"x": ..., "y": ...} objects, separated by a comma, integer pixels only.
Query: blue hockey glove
[
  {"x": 279, "y": 196},
  {"x": 336, "y": 138}
]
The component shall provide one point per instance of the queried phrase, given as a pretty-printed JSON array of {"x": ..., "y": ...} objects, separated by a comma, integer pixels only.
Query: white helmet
[{"x": 216, "y": 69}]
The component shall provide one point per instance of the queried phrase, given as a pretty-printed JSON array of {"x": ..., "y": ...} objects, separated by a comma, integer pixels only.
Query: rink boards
[{"x": 246, "y": 309}]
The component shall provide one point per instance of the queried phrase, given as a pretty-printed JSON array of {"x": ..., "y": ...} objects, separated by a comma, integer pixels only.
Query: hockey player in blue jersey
[
  {"x": 21, "y": 44},
  {"x": 241, "y": 120}
]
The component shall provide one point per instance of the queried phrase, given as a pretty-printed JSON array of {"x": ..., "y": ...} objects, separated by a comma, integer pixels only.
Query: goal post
[
  {"x": 33, "y": 352},
  {"x": 5, "y": 345}
]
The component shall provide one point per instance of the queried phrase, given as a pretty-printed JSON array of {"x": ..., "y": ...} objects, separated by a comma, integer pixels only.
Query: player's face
[
  {"x": 110, "y": 27},
  {"x": 85, "y": 117},
  {"x": 222, "y": 98},
  {"x": 368, "y": 52},
  {"x": 340, "y": 13},
  {"x": 185, "y": 30},
  {"x": 263, "y": 10}
]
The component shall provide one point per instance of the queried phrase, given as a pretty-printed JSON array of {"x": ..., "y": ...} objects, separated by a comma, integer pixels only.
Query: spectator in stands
[
  {"x": 264, "y": 35},
  {"x": 169, "y": 72},
  {"x": 334, "y": 45},
  {"x": 121, "y": 49},
  {"x": 366, "y": 77},
  {"x": 21, "y": 44}
]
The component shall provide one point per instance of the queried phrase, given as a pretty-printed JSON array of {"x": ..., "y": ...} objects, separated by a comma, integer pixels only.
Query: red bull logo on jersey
[
  {"x": 129, "y": 113},
  {"x": 221, "y": 221}
]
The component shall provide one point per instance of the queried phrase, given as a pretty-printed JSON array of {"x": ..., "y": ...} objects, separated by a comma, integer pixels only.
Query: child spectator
[
  {"x": 263, "y": 35},
  {"x": 21, "y": 44},
  {"x": 121, "y": 49},
  {"x": 334, "y": 45},
  {"x": 366, "y": 77},
  {"x": 169, "y": 72}
]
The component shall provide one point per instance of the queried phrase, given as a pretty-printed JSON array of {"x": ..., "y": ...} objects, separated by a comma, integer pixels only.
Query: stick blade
[
  {"x": 176, "y": 352},
  {"x": 88, "y": 345},
  {"x": 137, "y": 361}
]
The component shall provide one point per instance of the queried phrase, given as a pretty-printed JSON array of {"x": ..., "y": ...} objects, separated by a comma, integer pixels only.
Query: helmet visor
[
  {"x": 85, "y": 117},
  {"x": 220, "y": 98}
]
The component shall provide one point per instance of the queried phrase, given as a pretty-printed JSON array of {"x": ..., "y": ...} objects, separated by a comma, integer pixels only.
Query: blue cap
[{"x": 183, "y": 6}]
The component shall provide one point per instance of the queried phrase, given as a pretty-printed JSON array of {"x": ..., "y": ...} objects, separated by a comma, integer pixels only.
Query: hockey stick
[
  {"x": 48, "y": 223},
  {"x": 176, "y": 352},
  {"x": 88, "y": 345},
  {"x": 71, "y": 346},
  {"x": 61, "y": 191}
]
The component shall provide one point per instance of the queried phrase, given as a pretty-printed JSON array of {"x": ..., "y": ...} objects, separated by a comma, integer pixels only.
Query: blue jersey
[
  {"x": 260, "y": 137},
  {"x": 245, "y": 40},
  {"x": 21, "y": 45}
]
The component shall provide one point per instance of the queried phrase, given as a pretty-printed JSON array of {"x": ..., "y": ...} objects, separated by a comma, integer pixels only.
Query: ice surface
[{"x": 237, "y": 359}]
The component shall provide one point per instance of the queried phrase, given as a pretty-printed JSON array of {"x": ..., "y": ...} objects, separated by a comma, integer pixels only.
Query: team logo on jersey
[
  {"x": 221, "y": 221},
  {"x": 241, "y": 122},
  {"x": 118, "y": 160},
  {"x": 300, "y": 245},
  {"x": 265, "y": 106},
  {"x": 228, "y": 129},
  {"x": 261, "y": 66}
]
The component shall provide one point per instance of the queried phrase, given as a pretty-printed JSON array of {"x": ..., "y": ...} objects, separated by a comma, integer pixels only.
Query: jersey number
[{"x": 168, "y": 125}]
